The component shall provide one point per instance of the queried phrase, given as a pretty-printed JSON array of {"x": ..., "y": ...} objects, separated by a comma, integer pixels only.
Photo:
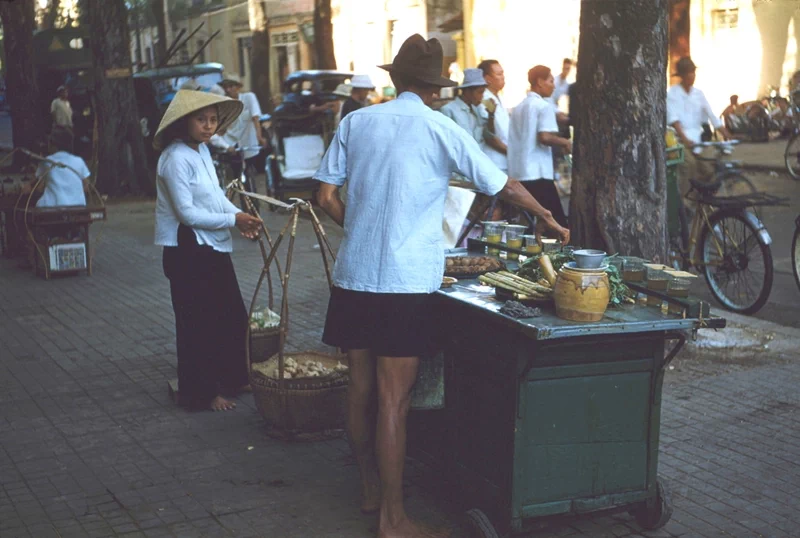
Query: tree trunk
[
  {"x": 157, "y": 7},
  {"x": 121, "y": 153},
  {"x": 27, "y": 116},
  {"x": 679, "y": 30},
  {"x": 259, "y": 54},
  {"x": 51, "y": 14},
  {"x": 323, "y": 35},
  {"x": 619, "y": 180}
]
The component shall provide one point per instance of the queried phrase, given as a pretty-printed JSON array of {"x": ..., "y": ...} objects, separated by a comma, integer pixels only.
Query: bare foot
[
  {"x": 411, "y": 529},
  {"x": 221, "y": 404},
  {"x": 371, "y": 496}
]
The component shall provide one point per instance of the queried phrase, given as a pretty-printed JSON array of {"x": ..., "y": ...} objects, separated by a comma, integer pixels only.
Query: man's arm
[
  {"x": 688, "y": 144},
  {"x": 495, "y": 143},
  {"x": 516, "y": 194},
  {"x": 555, "y": 141},
  {"x": 328, "y": 199}
]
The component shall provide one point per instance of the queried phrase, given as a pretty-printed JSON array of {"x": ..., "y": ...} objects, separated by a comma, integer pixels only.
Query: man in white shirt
[
  {"x": 495, "y": 114},
  {"x": 464, "y": 109},
  {"x": 533, "y": 134},
  {"x": 396, "y": 159},
  {"x": 561, "y": 84},
  {"x": 245, "y": 133},
  {"x": 61, "y": 110},
  {"x": 63, "y": 185},
  {"x": 687, "y": 111}
]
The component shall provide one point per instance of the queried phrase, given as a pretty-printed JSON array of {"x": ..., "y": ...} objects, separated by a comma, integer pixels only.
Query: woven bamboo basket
[{"x": 303, "y": 405}]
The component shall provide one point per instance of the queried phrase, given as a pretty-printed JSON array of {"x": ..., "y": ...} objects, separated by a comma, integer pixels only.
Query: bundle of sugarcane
[{"x": 521, "y": 288}]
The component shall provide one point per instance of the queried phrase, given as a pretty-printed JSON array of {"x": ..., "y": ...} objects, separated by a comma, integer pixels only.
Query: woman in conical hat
[{"x": 193, "y": 218}]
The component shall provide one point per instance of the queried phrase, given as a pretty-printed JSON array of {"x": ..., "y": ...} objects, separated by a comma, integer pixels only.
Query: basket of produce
[
  {"x": 297, "y": 393},
  {"x": 264, "y": 336},
  {"x": 471, "y": 266}
]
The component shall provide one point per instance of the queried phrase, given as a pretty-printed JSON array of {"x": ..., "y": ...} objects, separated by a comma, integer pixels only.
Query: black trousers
[
  {"x": 545, "y": 192},
  {"x": 210, "y": 320}
]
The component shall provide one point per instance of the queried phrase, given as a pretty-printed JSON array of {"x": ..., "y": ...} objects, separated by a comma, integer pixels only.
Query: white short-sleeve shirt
[
  {"x": 691, "y": 109},
  {"x": 501, "y": 125},
  {"x": 63, "y": 186},
  {"x": 528, "y": 159},
  {"x": 397, "y": 159},
  {"x": 242, "y": 131}
]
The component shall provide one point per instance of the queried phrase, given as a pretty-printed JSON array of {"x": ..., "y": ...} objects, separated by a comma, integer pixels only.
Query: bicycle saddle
[{"x": 705, "y": 187}]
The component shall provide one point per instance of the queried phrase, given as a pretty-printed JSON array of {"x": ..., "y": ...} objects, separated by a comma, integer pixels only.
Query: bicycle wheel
[
  {"x": 796, "y": 252},
  {"x": 734, "y": 184},
  {"x": 737, "y": 264},
  {"x": 792, "y": 156}
]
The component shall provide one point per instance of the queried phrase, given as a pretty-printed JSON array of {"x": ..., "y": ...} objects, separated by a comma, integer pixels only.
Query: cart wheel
[
  {"x": 478, "y": 525},
  {"x": 654, "y": 513}
]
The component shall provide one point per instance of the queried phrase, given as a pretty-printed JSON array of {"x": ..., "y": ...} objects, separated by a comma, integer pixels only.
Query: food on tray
[
  {"x": 465, "y": 265},
  {"x": 294, "y": 370},
  {"x": 448, "y": 281}
]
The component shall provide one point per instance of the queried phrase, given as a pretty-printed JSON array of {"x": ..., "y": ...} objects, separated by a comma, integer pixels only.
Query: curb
[
  {"x": 764, "y": 168},
  {"x": 760, "y": 324}
]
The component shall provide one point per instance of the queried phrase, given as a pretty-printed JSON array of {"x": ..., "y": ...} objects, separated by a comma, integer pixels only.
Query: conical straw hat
[{"x": 188, "y": 101}]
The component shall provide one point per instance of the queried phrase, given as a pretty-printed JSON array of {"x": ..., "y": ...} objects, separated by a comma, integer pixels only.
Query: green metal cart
[{"x": 544, "y": 416}]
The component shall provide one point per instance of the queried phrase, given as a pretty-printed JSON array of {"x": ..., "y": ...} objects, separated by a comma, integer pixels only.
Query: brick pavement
[{"x": 92, "y": 446}]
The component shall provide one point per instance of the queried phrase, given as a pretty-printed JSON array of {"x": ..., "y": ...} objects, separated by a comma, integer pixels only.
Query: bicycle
[
  {"x": 791, "y": 156},
  {"x": 728, "y": 244},
  {"x": 796, "y": 251},
  {"x": 233, "y": 166}
]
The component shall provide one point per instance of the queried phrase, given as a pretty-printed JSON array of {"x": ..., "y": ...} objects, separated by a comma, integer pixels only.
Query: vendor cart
[{"x": 545, "y": 416}]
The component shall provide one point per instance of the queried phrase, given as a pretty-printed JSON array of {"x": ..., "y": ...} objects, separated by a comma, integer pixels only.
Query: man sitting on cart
[{"x": 396, "y": 159}]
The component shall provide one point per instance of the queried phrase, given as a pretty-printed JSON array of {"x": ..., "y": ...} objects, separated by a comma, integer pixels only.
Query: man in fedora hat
[
  {"x": 687, "y": 111},
  {"x": 361, "y": 86},
  {"x": 464, "y": 109},
  {"x": 397, "y": 159}
]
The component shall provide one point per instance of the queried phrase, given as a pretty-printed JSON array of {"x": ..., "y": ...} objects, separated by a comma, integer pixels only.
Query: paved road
[{"x": 92, "y": 446}]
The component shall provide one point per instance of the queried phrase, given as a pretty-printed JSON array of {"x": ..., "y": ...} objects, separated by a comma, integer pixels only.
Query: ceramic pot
[{"x": 581, "y": 295}]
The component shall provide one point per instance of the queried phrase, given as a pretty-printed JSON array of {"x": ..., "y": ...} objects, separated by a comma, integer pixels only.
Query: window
[{"x": 245, "y": 43}]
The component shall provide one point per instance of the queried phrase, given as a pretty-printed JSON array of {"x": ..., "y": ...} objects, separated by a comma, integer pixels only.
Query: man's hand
[
  {"x": 248, "y": 225},
  {"x": 568, "y": 146},
  {"x": 549, "y": 223},
  {"x": 231, "y": 149}
]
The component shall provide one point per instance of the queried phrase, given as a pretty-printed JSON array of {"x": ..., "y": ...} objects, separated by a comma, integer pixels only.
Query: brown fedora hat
[{"x": 421, "y": 60}]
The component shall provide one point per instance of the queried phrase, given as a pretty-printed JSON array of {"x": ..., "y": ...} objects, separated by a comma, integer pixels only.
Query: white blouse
[{"x": 189, "y": 193}]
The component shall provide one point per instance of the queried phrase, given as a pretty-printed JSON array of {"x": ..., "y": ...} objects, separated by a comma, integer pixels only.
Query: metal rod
[
  {"x": 204, "y": 45},
  {"x": 172, "y": 48}
]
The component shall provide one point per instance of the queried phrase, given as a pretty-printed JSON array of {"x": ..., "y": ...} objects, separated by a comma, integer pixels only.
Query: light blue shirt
[
  {"x": 397, "y": 159},
  {"x": 466, "y": 116},
  {"x": 189, "y": 193}
]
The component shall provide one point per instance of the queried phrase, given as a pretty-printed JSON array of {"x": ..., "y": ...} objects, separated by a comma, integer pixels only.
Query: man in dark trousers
[
  {"x": 397, "y": 159},
  {"x": 361, "y": 86}
]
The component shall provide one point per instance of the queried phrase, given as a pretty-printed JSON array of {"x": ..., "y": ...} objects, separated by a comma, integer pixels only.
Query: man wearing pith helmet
[{"x": 396, "y": 159}]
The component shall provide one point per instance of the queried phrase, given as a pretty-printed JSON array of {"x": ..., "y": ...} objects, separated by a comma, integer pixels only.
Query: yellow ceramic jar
[{"x": 581, "y": 295}]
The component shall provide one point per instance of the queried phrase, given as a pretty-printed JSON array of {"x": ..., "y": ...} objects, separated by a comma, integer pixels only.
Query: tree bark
[
  {"x": 27, "y": 116},
  {"x": 323, "y": 35},
  {"x": 619, "y": 180},
  {"x": 259, "y": 57},
  {"x": 121, "y": 154}
]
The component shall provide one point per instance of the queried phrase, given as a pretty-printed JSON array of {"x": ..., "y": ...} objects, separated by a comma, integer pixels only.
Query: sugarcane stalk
[
  {"x": 493, "y": 279},
  {"x": 522, "y": 283},
  {"x": 535, "y": 285}
]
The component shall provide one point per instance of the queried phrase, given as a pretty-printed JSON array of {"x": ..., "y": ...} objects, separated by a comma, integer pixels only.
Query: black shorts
[
  {"x": 388, "y": 324},
  {"x": 545, "y": 192}
]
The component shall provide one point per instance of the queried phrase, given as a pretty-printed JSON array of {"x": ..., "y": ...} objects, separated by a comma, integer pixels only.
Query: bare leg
[
  {"x": 361, "y": 413},
  {"x": 396, "y": 376}
]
